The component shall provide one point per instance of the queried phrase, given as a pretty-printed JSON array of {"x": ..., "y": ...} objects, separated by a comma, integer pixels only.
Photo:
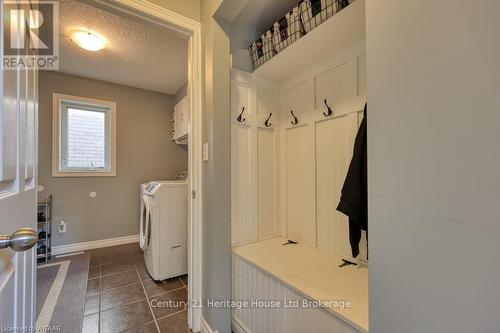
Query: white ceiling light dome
[{"x": 88, "y": 40}]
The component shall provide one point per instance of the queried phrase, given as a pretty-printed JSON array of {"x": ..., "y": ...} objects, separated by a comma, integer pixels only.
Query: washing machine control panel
[{"x": 151, "y": 188}]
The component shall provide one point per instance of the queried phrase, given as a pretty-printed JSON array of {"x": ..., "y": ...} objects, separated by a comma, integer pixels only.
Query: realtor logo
[{"x": 30, "y": 35}]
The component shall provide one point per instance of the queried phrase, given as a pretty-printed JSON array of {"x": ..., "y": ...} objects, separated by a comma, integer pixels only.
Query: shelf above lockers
[{"x": 342, "y": 29}]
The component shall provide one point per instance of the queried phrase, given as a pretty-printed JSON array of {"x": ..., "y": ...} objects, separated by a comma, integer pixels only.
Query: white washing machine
[
  {"x": 164, "y": 227},
  {"x": 141, "y": 200}
]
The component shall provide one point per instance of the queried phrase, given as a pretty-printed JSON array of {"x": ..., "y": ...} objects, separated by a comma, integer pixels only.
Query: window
[{"x": 84, "y": 137}]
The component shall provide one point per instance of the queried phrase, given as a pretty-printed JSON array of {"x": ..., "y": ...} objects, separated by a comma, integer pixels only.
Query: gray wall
[
  {"x": 144, "y": 152},
  {"x": 434, "y": 165},
  {"x": 217, "y": 171}
]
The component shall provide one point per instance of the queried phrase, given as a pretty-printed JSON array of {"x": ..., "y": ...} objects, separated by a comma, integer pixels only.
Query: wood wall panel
[
  {"x": 334, "y": 145},
  {"x": 242, "y": 230},
  {"x": 300, "y": 196},
  {"x": 267, "y": 205}
]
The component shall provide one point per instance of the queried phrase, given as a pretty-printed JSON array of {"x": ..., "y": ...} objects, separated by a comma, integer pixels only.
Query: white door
[{"x": 18, "y": 146}]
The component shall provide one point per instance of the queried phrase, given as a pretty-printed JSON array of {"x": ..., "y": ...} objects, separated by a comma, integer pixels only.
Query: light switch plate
[
  {"x": 205, "y": 152},
  {"x": 62, "y": 227}
]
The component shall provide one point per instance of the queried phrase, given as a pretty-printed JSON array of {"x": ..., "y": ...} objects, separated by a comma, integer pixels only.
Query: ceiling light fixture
[{"x": 89, "y": 41}]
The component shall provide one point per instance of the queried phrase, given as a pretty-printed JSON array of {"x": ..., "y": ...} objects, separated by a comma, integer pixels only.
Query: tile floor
[{"x": 122, "y": 297}]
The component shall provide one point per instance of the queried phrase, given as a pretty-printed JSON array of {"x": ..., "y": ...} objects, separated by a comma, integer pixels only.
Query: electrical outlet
[{"x": 62, "y": 227}]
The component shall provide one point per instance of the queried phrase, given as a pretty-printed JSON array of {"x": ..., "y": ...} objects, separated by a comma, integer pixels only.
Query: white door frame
[{"x": 192, "y": 29}]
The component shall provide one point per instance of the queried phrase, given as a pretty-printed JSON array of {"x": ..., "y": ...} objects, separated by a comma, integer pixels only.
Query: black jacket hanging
[{"x": 354, "y": 198}]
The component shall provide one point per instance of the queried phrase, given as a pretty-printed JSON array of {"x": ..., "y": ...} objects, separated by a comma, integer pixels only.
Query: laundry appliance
[{"x": 164, "y": 228}]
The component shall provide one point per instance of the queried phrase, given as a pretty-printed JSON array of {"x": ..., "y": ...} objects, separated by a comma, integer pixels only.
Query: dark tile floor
[{"x": 122, "y": 297}]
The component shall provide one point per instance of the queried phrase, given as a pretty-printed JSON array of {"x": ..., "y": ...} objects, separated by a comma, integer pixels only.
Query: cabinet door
[
  {"x": 336, "y": 86},
  {"x": 177, "y": 122},
  {"x": 185, "y": 115},
  {"x": 181, "y": 115},
  {"x": 334, "y": 146}
]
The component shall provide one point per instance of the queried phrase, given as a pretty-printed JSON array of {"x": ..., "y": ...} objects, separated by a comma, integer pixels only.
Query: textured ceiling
[{"x": 138, "y": 53}]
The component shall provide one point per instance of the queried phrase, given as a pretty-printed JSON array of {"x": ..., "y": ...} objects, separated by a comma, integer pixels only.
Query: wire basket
[
  {"x": 262, "y": 49},
  {"x": 315, "y": 12},
  {"x": 287, "y": 30},
  {"x": 301, "y": 20}
]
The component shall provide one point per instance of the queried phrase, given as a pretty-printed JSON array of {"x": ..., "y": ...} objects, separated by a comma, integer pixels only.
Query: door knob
[{"x": 20, "y": 240}]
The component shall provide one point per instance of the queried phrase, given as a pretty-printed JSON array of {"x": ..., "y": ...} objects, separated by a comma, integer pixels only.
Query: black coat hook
[
  {"x": 329, "y": 112},
  {"x": 347, "y": 263},
  {"x": 267, "y": 123},
  {"x": 240, "y": 117},
  {"x": 295, "y": 121}
]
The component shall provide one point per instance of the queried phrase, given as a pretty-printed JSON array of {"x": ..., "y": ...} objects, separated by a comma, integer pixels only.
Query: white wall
[{"x": 434, "y": 165}]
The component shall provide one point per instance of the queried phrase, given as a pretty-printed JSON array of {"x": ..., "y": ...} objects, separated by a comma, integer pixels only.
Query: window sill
[{"x": 69, "y": 174}]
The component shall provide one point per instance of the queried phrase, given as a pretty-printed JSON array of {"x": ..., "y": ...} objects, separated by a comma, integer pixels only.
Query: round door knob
[{"x": 20, "y": 240}]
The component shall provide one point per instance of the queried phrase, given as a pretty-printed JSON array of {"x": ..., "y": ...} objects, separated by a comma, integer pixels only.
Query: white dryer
[{"x": 164, "y": 226}]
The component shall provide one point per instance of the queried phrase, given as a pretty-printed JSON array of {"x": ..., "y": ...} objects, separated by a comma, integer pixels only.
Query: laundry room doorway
[
  {"x": 120, "y": 170},
  {"x": 191, "y": 29}
]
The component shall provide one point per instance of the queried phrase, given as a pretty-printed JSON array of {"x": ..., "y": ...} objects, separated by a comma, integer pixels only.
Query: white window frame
[{"x": 60, "y": 104}]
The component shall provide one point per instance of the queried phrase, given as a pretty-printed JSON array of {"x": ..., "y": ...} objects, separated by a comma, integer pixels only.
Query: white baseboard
[
  {"x": 205, "y": 328},
  {"x": 76, "y": 247}
]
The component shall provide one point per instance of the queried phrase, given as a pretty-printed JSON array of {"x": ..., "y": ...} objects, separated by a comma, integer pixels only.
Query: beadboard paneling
[{"x": 251, "y": 283}]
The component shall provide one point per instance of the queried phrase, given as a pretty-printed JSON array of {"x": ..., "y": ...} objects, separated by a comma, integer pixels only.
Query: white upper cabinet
[{"x": 182, "y": 120}]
